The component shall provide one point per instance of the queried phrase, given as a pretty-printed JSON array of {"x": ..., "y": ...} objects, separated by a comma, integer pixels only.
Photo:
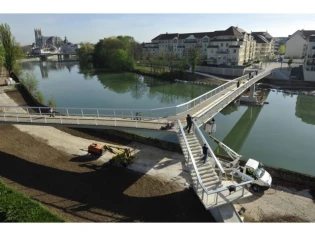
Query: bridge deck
[{"x": 87, "y": 122}]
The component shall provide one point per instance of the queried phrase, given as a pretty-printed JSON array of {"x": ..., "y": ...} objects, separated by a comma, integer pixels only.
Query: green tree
[
  {"x": 85, "y": 52},
  {"x": 193, "y": 58},
  {"x": 1, "y": 55},
  {"x": 108, "y": 52},
  {"x": 120, "y": 61},
  {"x": 281, "y": 49},
  {"x": 12, "y": 50},
  {"x": 290, "y": 61}
]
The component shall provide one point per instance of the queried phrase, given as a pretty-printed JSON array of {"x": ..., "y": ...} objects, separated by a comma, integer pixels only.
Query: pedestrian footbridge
[{"x": 210, "y": 181}]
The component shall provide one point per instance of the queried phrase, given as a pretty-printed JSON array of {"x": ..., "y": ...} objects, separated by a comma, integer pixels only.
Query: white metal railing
[
  {"x": 78, "y": 116},
  {"x": 202, "y": 140},
  {"x": 205, "y": 193},
  {"x": 226, "y": 99}
]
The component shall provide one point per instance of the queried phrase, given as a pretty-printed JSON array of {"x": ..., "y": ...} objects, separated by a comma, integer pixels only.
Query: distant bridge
[{"x": 61, "y": 56}]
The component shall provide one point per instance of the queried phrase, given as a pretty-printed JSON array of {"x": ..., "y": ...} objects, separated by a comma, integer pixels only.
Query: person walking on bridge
[{"x": 189, "y": 123}]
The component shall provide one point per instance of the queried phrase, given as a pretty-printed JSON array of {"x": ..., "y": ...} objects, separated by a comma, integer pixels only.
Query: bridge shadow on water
[{"x": 103, "y": 193}]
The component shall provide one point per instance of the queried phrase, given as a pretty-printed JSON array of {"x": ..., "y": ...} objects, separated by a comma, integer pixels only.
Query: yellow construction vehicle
[{"x": 123, "y": 155}]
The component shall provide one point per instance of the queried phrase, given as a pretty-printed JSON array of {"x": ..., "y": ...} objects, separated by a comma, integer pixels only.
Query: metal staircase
[
  {"x": 206, "y": 171},
  {"x": 206, "y": 179}
]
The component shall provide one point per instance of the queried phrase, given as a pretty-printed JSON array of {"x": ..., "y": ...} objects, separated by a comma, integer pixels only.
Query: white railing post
[
  {"x": 82, "y": 112},
  {"x": 4, "y": 114},
  {"x": 98, "y": 115},
  {"x": 40, "y": 111},
  {"x": 67, "y": 112},
  {"x": 17, "y": 116},
  {"x": 45, "y": 120}
]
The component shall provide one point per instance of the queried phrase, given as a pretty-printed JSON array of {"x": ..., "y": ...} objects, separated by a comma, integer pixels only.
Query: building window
[
  {"x": 221, "y": 44},
  {"x": 227, "y": 44},
  {"x": 234, "y": 50}
]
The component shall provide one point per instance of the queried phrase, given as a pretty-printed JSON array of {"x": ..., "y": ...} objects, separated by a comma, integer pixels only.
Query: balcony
[
  {"x": 222, "y": 52},
  {"x": 190, "y": 41},
  {"x": 310, "y": 63},
  {"x": 311, "y": 56}
]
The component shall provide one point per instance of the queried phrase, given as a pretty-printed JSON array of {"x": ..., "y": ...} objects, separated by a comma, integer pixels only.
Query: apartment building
[
  {"x": 265, "y": 45},
  {"x": 309, "y": 62},
  {"x": 231, "y": 46},
  {"x": 296, "y": 46}
]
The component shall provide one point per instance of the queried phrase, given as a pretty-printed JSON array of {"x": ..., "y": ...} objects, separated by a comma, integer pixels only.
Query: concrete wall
[
  {"x": 220, "y": 71},
  {"x": 309, "y": 75},
  {"x": 294, "y": 46}
]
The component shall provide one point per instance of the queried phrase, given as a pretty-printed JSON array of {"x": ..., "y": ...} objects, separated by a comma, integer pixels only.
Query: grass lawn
[{"x": 15, "y": 207}]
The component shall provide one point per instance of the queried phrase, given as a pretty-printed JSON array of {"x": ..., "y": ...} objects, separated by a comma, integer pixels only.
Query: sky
[{"x": 143, "y": 27}]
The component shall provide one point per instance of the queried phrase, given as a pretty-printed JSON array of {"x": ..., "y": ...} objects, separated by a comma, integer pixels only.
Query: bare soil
[{"x": 86, "y": 191}]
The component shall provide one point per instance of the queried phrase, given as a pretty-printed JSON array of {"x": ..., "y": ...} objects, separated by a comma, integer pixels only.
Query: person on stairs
[
  {"x": 189, "y": 123},
  {"x": 205, "y": 153}
]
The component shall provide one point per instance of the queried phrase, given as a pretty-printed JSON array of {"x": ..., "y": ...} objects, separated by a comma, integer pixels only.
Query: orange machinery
[{"x": 96, "y": 149}]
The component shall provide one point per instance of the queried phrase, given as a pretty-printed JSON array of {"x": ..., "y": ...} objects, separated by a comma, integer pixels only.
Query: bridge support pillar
[{"x": 252, "y": 91}]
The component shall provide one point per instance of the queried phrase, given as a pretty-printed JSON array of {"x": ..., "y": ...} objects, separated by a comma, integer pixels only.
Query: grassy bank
[{"x": 15, "y": 207}]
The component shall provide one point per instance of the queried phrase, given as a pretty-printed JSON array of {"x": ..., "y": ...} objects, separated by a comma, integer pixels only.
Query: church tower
[{"x": 38, "y": 38}]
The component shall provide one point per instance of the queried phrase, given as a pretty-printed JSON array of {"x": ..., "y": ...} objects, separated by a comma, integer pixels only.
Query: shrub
[
  {"x": 40, "y": 97},
  {"x": 51, "y": 102},
  {"x": 30, "y": 83}
]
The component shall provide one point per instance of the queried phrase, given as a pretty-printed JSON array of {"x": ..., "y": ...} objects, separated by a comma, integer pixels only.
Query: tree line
[{"x": 123, "y": 53}]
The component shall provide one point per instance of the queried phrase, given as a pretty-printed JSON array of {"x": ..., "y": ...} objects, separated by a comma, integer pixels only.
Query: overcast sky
[{"x": 143, "y": 27}]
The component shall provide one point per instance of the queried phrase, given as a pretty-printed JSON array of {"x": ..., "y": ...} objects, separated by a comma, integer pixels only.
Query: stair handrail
[
  {"x": 191, "y": 156},
  {"x": 199, "y": 133}
]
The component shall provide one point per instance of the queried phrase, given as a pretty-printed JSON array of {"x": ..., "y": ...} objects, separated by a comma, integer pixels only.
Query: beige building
[
  {"x": 296, "y": 46},
  {"x": 232, "y": 46},
  {"x": 265, "y": 45},
  {"x": 309, "y": 62}
]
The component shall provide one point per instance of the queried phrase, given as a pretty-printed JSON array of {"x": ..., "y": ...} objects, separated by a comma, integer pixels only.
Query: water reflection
[
  {"x": 87, "y": 69},
  {"x": 305, "y": 109},
  {"x": 239, "y": 133},
  {"x": 229, "y": 109},
  {"x": 164, "y": 91},
  {"x": 46, "y": 67}
]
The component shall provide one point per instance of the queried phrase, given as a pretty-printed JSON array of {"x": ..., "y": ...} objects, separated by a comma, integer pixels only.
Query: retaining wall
[{"x": 221, "y": 71}]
